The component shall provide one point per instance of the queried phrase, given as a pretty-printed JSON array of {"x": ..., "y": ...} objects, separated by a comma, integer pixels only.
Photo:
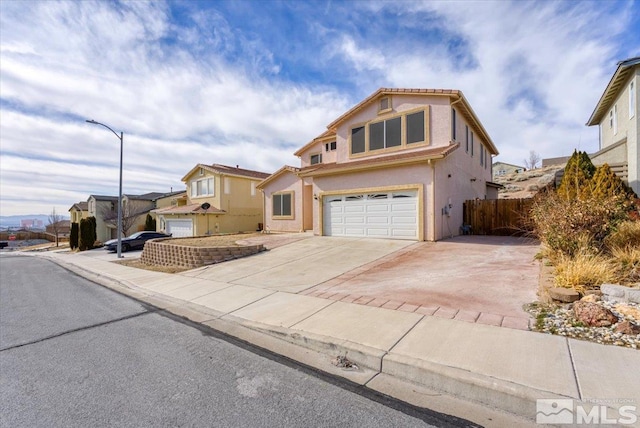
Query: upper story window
[
  {"x": 632, "y": 100},
  {"x": 466, "y": 139},
  {"x": 201, "y": 171},
  {"x": 392, "y": 133},
  {"x": 453, "y": 124},
  {"x": 385, "y": 134},
  {"x": 471, "y": 143},
  {"x": 481, "y": 155},
  {"x": 316, "y": 158},
  {"x": 330, "y": 146},
  {"x": 202, "y": 187},
  {"x": 227, "y": 185},
  {"x": 615, "y": 119},
  {"x": 385, "y": 105},
  {"x": 253, "y": 188}
]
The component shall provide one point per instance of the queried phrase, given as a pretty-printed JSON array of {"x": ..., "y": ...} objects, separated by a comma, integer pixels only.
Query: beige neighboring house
[
  {"x": 219, "y": 199},
  {"x": 134, "y": 211},
  {"x": 397, "y": 165},
  {"x": 502, "y": 168},
  {"x": 78, "y": 211},
  {"x": 616, "y": 114}
]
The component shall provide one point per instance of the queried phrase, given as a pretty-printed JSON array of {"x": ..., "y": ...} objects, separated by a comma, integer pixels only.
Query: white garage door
[
  {"x": 180, "y": 228},
  {"x": 374, "y": 215}
]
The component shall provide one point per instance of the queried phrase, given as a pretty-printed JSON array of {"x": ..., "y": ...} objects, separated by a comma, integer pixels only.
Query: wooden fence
[
  {"x": 498, "y": 216},
  {"x": 25, "y": 235}
]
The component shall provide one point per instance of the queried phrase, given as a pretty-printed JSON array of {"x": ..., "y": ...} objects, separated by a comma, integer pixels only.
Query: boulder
[
  {"x": 566, "y": 295},
  {"x": 593, "y": 298},
  {"x": 593, "y": 314},
  {"x": 626, "y": 327}
]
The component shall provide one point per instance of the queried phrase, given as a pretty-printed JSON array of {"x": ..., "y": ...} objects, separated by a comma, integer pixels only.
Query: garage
[
  {"x": 179, "y": 228},
  {"x": 392, "y": 215}
]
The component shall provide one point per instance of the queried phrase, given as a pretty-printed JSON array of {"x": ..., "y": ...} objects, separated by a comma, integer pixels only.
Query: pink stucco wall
[{"x": 287, "y": 181}]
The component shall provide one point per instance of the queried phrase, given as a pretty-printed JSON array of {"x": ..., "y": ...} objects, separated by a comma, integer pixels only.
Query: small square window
[
  {"x": 316, "y": 159},
  {"x": 385, "y": 104}
]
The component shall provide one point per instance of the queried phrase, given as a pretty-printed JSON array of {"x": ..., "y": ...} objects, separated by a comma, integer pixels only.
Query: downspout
[{"x": 432, "y": 203}]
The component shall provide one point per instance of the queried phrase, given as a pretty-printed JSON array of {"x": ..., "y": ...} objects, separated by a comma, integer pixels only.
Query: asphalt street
[{"x": 73, "y": 353}]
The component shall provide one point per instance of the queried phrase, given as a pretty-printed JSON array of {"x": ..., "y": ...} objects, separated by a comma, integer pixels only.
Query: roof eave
[{"x": 603, "y": 103}]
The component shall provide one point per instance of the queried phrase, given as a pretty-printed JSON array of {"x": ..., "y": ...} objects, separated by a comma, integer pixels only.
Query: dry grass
[
  {"x": 136, "y": 263},
  {"x": 213, "y": 241},
  {"x": 584, "y": 271},
  {"x": 627, "y": 262},
  {"x": 627, "y": 234}
]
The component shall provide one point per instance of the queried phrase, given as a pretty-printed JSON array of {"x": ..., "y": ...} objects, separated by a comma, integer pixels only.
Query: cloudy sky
[{"x": 248, "y": 82}]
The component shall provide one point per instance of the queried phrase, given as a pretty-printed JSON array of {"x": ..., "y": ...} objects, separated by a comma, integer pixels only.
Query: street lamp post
[{"x": 120, "y": 137}]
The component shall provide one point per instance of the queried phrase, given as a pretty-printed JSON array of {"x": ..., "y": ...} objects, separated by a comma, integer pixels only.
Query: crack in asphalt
[{"x": 88, "y": 327}]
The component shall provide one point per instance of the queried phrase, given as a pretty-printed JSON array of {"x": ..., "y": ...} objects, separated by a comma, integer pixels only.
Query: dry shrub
[
  {"x": 584, "y": 271},
  {"x": 565, "y": 226},
  {"x": 626, "y": 234},
  {"x": 627, "y": 262}
]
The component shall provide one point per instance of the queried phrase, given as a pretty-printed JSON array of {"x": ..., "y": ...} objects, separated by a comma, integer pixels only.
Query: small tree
[
  {"x": 533, "y": 160},
  {"x": 74, "y": 236},
  {"x": 55, "y": 221},
  {"x": 87, "y": 233},
  {"x": 577, "y": 173},
  {"x": 131, "y": 211},
  {"x": 606, "y": 183},
  {"x": 150, "y": 223}
]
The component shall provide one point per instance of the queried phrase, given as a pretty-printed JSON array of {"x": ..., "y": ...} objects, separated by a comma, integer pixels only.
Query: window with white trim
[
  {"x": 227, "y": 185},
  {"x": 315, "y": 158},
  {"x": 202, "y": 187},
  {"x": 632, "y": 100},
  {"x": 615, "y": 119},
  {"x": 282, "y": 204}
]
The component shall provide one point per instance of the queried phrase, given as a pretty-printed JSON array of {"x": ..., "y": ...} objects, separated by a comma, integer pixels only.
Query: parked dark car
[
  {"x": 4, "y": 244},
  {"x": 135, "y": 241}
]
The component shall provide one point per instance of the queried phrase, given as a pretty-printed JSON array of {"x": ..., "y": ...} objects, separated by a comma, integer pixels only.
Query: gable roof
[
  {"x": 455, "y": 95},
  {"x": 152, "y": 196},
  {"x": 102, "y": 198},
  {"x": 228, "y": 170},
  {"x": 431, "y": 153},
  {"x": 278, "y": 173},
  {"x": 80, "y": 206},
  {"x": 612, "y": 90}
]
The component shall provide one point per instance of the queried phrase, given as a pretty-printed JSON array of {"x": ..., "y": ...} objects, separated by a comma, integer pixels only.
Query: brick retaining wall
[{"x": 161, "y": 253}]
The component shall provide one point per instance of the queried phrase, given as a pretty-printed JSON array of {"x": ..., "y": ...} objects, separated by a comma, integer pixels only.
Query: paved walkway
[{"x": 501, "y": 368}]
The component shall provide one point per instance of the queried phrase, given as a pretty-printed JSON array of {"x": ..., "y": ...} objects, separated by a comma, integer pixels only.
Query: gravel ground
[{"x": 560, "y": 320}]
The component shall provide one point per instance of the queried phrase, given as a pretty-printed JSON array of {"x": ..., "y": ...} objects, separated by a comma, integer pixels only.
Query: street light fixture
[{"x": 120, "y": 137}]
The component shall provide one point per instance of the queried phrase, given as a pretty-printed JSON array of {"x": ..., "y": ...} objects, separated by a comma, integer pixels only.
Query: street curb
[{"x": 317, "y": 351}]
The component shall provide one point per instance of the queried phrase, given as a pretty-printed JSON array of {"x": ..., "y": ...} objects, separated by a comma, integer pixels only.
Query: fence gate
[{"x": 498, "y": 216}]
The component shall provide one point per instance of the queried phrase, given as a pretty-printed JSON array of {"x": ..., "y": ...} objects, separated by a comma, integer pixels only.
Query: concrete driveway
[{"x": 484, "y": 279}]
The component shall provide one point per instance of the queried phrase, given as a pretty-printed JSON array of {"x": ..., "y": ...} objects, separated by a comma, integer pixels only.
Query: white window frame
[
  {"x": 210, "y": 192},
  {"x": 227, "y": 185},
  {"x": 253, "y": 188},
  {"x": 615, "y": 119}
]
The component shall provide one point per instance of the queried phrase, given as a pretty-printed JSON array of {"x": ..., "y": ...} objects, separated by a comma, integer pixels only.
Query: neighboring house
[
  {"x": 398, "y": 165},
  {"x": 502, "y": 168},
  {"x": 617, "y": 116},
  {"x": 219, "y": 199},
  {"x": 63, "y": 227},
  {"x": 98, "y": 206},
  {"x": 78, "y": 211},
  {"x": 134, "y": 211}
]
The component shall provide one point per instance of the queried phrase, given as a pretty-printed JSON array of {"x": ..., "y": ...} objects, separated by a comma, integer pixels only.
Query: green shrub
[
  {"x": 87, "y": 233},
  {"x": 150, "y": 223},
  {"x": 73, "y": 236},
  {"x": 577, "y": 174}
]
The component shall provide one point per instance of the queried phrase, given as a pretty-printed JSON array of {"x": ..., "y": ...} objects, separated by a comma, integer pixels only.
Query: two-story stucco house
[
  {"x": 397, "y": 165},
  {"x": 219, "y": 199},
  {"x": 617, "y": 116}
]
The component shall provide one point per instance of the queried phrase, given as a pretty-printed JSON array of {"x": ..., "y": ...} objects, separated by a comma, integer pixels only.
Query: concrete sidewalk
[{"x": 411, "y": 356}]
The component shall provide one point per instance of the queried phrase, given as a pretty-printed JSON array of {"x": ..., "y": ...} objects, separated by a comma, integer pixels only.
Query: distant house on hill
[{"x": 503, "y": 168}]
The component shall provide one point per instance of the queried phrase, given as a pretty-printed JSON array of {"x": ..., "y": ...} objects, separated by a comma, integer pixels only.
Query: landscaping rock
[
  {"x": 594, "y": 315},
  {"x": 593, "y": 298},
  {"x": 566, "y": 295},
  {"x": 626, "y": 327},
  {"x": 628, "y": 312}
]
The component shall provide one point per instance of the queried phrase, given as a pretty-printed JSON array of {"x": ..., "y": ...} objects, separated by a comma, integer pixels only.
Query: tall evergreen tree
[
  {"x": 73, "y": 236},
  {"x": 577, "y": 174}
]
